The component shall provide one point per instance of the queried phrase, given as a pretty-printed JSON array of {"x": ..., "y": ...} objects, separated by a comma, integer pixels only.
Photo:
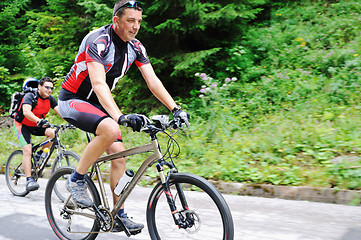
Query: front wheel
[
  {"x": 201, "y": 205},
  {"x": 64, "y": 159},
  {"x": 67, "y": 220},
  {"x": 15, "y": 175}
]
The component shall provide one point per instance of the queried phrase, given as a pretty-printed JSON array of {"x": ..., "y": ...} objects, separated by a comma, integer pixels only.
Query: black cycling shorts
[
  {"x": 83, "y": 115},
  {"x": 23, "y": 132}
]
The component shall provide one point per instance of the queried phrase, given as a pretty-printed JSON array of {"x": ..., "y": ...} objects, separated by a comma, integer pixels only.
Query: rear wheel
[
  {"x": 67, "y": 220},
  {"x": 15, "y": 175},
  {"x": 202, "y": 207}
]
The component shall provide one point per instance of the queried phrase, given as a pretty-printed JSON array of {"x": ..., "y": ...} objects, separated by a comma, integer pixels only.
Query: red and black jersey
[
  {"x": 41, "y": 108},
  {"x": 102, "y": 45}
]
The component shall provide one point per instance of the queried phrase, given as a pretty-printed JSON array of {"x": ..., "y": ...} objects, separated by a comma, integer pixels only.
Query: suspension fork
[{"x": 177, "y": 216}]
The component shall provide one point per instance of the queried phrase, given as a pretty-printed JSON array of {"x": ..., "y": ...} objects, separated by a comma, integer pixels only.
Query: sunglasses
[
  {"x": 49, "y": 88},
  {"x": 130, "y": 4}
]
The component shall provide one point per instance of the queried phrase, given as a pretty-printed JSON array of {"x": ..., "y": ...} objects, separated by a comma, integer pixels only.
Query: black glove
[
  {"x": 42, "y": 123},
  {"x": 135, "y": 121},
  {"x": 181, "y": 115}
]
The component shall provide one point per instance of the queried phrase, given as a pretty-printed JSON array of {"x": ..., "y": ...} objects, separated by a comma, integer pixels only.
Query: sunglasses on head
[
  {"x": 49, "y": 88},
  {"x": 130, "y": 4}
]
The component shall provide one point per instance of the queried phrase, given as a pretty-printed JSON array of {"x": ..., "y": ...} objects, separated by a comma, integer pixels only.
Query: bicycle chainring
[{"x": 107, "y": 224}]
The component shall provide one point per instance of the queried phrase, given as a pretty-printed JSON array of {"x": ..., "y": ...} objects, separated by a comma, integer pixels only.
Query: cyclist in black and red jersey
[
  {"x": 30, "y": 119},
  {"x": 85, "y": 99}
]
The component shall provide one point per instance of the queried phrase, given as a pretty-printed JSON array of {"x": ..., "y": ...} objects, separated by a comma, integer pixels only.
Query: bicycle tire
[
  {"x": 65, "y": 159},
  {"x": 206, "y": 205},
  {"x": 88, "y": 227},
  {"x": 14, "y": 174}
]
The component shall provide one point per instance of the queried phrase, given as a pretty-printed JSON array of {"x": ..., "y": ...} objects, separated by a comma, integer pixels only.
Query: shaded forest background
[{"x": 273, "y": 87}]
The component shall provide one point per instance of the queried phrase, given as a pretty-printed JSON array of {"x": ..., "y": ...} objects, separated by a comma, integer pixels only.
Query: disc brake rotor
[{"x": 193, "y": 221}]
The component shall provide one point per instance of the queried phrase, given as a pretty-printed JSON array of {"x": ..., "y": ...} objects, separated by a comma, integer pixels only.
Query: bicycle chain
[{"x": 105, "y": 226}]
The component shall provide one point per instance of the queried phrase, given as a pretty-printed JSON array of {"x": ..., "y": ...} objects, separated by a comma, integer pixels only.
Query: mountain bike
[
  {"x": 181, "y": 205},
  {"x": 14, "y": 172}
]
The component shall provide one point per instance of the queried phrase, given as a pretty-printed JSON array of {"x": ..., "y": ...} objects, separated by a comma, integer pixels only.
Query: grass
[{"x": 309, "y": 145}]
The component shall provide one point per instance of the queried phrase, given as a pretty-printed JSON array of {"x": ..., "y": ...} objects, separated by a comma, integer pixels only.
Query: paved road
[{"x": 255, "y": 218}]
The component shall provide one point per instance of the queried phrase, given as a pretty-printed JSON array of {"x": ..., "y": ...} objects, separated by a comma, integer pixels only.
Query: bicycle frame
[
  {"x": 157, "y": 155},
  {"x": 148, "y": 162},
  {"x": 56, "y": 145}
]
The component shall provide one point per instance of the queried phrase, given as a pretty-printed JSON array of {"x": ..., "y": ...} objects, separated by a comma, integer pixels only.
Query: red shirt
[{"x": 40, "y": 110}]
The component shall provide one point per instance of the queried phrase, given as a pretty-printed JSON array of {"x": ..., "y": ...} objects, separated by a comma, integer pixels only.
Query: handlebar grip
[{"x": 176, "y": 123}]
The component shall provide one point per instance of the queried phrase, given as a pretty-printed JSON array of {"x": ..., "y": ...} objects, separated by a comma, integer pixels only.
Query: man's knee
[
  {"x": 27, "y": 150},
  {"x": 109, "y": 128},
  {"x": 49, "y": 132}
]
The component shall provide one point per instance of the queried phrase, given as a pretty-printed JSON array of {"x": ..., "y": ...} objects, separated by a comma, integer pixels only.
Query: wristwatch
[{"x": 176, "y": 108}]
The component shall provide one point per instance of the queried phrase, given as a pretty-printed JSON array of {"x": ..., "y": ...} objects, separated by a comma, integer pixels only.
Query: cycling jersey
[
  {"x": 40, "y": 110},
  {"x": 104, "y": 46}
]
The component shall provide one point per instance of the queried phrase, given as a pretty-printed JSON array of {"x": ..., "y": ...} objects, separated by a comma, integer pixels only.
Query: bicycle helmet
[{"x": 30, "y": 84}]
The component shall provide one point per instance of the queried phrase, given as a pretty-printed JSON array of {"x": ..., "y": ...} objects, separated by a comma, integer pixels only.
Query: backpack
[{"x": 29, "y": 85}]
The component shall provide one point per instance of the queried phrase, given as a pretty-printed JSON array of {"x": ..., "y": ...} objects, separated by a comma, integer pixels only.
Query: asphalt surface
[{"x": 255, "y": 218}]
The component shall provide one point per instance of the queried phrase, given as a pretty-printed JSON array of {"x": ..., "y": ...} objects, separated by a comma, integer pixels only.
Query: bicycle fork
[{"x": 180, "y": 220}]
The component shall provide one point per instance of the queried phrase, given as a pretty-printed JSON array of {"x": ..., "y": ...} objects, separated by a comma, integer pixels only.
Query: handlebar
[
  {"x": 62, "y": 127},
  {"x": 57, "y": 129},
  {"x": 161, "y": 123}
]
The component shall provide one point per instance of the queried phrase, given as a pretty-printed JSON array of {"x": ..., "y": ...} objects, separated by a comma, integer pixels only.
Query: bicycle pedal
[{"x": 135, "y": 232}]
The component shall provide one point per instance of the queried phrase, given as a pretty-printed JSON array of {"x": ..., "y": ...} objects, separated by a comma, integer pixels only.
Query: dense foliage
[
  {"x": 181, "y": 37},
  {"x": 294, "y": 115},
  {"x": 276, "y": 98}
]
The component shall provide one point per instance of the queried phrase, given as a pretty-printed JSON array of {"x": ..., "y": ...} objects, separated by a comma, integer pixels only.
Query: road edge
[{"x": 303, "y": 193}]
